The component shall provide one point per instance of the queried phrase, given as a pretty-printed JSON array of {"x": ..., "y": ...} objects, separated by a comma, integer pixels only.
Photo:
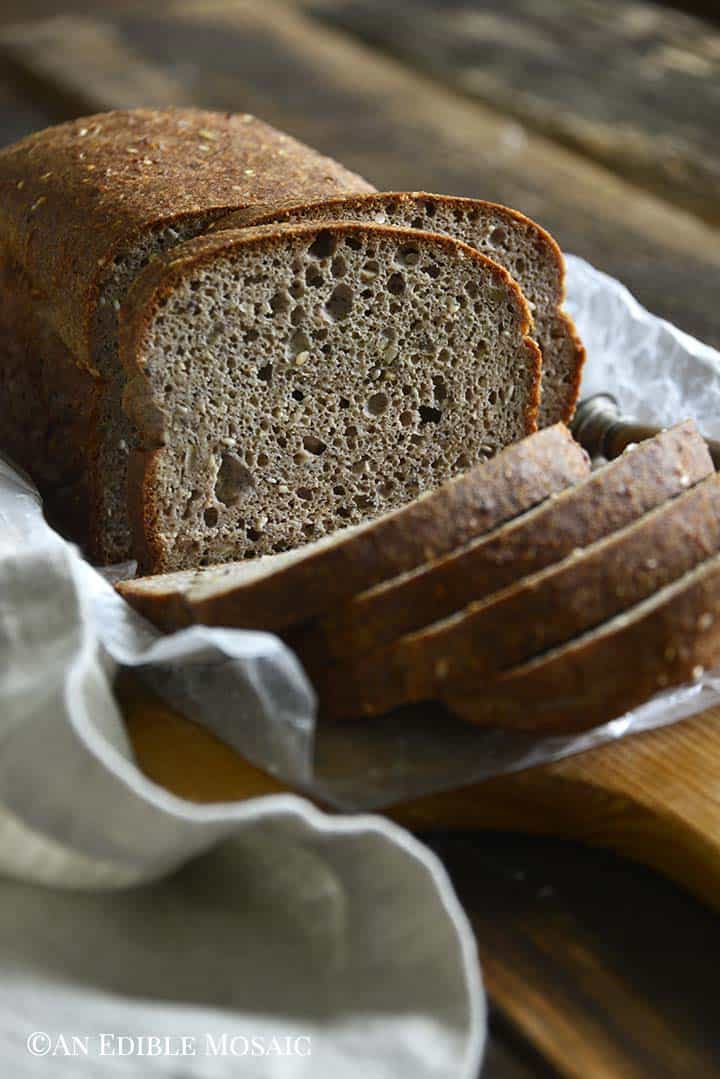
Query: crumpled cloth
[{"x": 142, "y": 935}]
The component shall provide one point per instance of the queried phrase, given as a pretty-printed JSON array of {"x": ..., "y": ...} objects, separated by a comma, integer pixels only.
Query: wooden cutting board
[{"x": 654, "y": 797}]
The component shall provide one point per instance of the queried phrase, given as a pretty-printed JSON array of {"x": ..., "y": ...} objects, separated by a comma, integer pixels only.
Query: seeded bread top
[{"x": 113, "y": 177}]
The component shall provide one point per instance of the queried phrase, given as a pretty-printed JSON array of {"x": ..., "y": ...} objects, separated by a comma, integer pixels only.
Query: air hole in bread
[
  {"x": 305, "y": 493},
  {"x": 265, "y": 373},
  {"x": 314, "y": 445},
  {"x": 409, "y": 255},
  {"x": 210, "y": 516},
  {"x": 279, "y": 303},
  {"x": 299, "y": 342},
  {"x": 296, "y": 290},
  {"x": 339, "y": 266},
  {"x": 396, "y": 284},
  {"x": 498, "y": 236},
  {"x": 429, "y": 414},
  {"x": 253, "y": 535},
  {"x": 340, "y": 303},
  {"x": 314, "y": 277},
  {"x": 439, "y": 388},
  {"x": 323, "y": 246},
  {"x": 377, "y": 404},
  {"x": 298, "y": 395},
  {"x": 369, "y": 272},
  {"x": 233, "y": 480}
]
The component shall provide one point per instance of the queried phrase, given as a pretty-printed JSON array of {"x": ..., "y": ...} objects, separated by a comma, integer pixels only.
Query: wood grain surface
[
  {"x": 575, "y": 951},
  {"x": 400, "y": 129},
  {"x": 651, "y": 116}
]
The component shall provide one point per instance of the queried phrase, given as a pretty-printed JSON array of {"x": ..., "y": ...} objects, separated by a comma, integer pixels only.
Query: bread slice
[
  {"x": 287, "y": 380},
  {"x": 279, "y": 590},
  {"x": 610, "y": 498},
  {"x": 667, "y": 640},
  {"x": 527, "y": 251},
  {"x": 539, "y": 612},
  {"x": 83, "y": 207}
]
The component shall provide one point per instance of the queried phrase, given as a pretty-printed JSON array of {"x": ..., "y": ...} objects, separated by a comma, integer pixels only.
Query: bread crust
[
  {"x": 607, "y": 501},
  {"x": 516, "y": 478},
  {"x": 540, "y": 612},
  {"x": 47, "y": 404},
  {"x": 108, "y": 179},
  {"x": 76, "y": 199},
  {"x": 162, "y": 276},
  {"x": 664, "y": 642},
  {"x": 370, "y": 204}
]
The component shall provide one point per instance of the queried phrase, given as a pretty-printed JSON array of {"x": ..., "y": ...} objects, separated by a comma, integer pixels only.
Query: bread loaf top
[{"x": 75, "y": 198}]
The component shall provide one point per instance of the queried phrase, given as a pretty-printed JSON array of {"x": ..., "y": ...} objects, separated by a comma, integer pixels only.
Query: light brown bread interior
[
  {"x": 281, "y": 590},
  {"x": 607, "y": 500},
  {"x": 288, "y": 380},
  {"x": 527, "y": 251}
]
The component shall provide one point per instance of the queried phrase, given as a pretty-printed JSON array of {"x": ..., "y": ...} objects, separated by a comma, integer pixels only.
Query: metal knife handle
[{"x": 601, "y": 428}]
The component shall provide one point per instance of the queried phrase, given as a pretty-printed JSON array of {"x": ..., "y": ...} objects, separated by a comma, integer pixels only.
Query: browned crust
[
  {"x": 607, "y": 501},
  {"x": 157, "y": 282},
  {"x": 112, "y": 177},
  {"x": 540, "y": 612},
  {"x": 47, "y": 405},
  {"x": 666, "y": 642},
  {"x": 463, "y": 508},
  {"x": 372, "y": 202}
]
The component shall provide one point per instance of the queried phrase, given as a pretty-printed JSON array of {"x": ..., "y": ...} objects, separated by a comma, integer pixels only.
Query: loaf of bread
[
  {"x": 281, "y": 590},
  {"x": 83, "y": 207},
  {"x": 667, "y": 640},
  {"x": 527, "y": 251},
  {"x": 275, "y": 383},
  {"x": 607, "y": 500},
  {"x": 539, "y": 612}
]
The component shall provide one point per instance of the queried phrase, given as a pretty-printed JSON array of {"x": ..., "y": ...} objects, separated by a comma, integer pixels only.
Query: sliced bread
[
  {"x": 83, "y": 207},
  {"x": 537, "y": 613},
  {"x": 610, "y": 498},
  {"x": 281, "y": 389},
  {"x": 668, "y": 639},
  {"x": 527, "y": 251},
  {"x": 277, "y": 591}
]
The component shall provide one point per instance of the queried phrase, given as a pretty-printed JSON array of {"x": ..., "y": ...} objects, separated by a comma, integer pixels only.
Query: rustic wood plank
[
  {"x": 579, "y": 955},
  {"x": 87, "y": 64},
  {"x": 574, "y": 945},
  {"x": 633, "y": 86},
  {"x": 18, "y": 115},
  {"x": 405, "y": 132}
]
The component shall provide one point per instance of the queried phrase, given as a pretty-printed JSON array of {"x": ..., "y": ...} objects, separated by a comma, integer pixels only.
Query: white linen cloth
[{"x": 141, "y": 935}]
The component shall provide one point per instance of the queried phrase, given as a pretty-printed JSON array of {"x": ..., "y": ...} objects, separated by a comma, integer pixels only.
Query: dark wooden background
[{"x": 601, "y": 119}]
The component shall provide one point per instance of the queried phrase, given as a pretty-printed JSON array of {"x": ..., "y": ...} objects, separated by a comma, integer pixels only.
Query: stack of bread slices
[
  {"x": 531, "y": 593},
  {"x": 305, "y": 406}
]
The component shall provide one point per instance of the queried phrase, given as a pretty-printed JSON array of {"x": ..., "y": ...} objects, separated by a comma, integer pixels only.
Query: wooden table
[{"x": 603, "y": 126}]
